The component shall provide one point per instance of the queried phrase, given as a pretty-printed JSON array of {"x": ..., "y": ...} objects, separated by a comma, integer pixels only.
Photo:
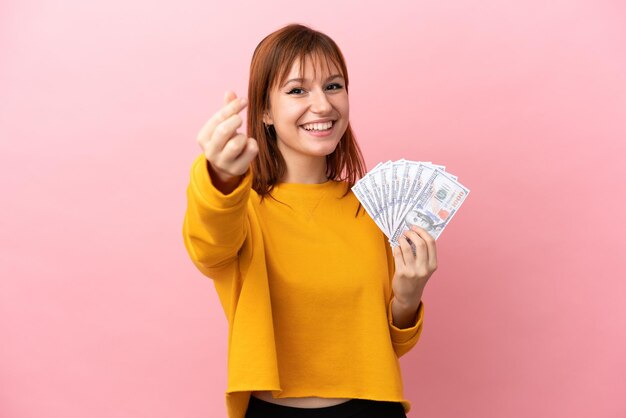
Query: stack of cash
[{"x": 403, "y": 193}]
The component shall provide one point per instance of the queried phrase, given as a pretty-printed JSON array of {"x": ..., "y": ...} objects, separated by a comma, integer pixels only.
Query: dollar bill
[
  {"x": 397, "y": 175},
  {"x": 362, "y": 192},
  {"x": 410, "y": 170},
  {"x": 402, "y": 193},
  {"x": 422, "y": 173},
  {"x": 439, "y": 199},
  {"x": 385, "y": 181},
  {"x": 375, "y": 185}
]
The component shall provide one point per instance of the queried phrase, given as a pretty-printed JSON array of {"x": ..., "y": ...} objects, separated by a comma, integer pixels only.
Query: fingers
[
  {"x": 397, "y": 256},
  {"x": 431, "y": 246},
  {"x": 223, "y": 134},
  {"x": 233, "y": 107},
  {"x": 421, "y": 260},
  {"x": 229, "y": 96},
  {"x": 418, "y": 266},
  {"x": 407, "y": 251}
]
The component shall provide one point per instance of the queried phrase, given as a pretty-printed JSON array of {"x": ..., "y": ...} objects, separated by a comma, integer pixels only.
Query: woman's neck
[{"x": 305, "y": 170}]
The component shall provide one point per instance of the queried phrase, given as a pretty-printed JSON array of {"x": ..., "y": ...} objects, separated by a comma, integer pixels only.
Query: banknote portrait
[{"x": 425, "y": 221}]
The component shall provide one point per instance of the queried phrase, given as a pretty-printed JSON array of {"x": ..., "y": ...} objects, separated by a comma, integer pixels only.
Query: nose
[{"x": 319, "y": 102}]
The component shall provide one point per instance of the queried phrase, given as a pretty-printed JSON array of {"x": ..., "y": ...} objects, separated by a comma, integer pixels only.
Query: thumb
[
  {"x": 243, "y": 160},
  {"x": 251, "y": 150}
]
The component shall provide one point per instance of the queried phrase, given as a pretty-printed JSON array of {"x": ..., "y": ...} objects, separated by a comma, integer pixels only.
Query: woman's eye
[
  {"x": 295, "y": 91},
  {"x": 334, "y": 86}
]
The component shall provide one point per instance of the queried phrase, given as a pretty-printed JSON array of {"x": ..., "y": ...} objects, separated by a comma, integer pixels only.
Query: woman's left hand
[{"x": 413, "y": 270}]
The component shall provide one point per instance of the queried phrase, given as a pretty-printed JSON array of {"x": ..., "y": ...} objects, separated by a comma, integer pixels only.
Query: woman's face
[{"x": 310, "y": 115}]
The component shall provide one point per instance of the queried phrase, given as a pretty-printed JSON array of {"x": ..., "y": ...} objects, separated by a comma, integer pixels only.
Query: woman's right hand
[{"x": 228, "y": 152}]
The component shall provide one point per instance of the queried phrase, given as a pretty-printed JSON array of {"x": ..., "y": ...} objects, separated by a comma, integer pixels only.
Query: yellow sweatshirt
[{"x": 305, "y": 286}]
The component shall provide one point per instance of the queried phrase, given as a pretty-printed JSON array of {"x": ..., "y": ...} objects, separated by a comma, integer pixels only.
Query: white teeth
[{"x": 318, "y": 126}]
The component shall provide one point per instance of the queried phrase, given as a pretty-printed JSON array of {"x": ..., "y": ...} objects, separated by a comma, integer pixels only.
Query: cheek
[
  {"x": 343, "y": 106},
  {"x": 290, "y": 114}
]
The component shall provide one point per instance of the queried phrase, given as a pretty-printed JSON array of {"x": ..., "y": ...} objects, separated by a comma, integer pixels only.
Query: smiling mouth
[{"x": 318, "y": 127}]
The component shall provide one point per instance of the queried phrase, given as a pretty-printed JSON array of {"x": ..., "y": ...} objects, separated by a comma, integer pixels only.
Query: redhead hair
[{"x": 271, "y": 62}]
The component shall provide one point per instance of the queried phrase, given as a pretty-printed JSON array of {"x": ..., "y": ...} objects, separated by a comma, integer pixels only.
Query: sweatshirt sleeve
[
  {"x": 402, "y": 339},
  {"x": 215, "y": 226}
]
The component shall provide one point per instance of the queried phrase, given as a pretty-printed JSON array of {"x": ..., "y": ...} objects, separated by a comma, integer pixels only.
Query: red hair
[{"x": 271, "y": 62}]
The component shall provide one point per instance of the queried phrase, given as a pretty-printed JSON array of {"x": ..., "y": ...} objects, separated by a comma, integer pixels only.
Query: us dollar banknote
[
  {"x": 438, "y": 201},
  {"x": 399, "y": 194}
]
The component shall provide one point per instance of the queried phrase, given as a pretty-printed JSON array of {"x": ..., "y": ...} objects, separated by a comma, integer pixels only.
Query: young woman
[{"x": 319, "y": 307}]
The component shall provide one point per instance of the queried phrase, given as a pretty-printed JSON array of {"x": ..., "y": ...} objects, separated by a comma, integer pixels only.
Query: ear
[{"x": 267, "y": 118}]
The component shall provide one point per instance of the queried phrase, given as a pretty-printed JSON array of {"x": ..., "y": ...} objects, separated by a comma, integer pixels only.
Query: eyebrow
[{"x": 332, "y": 77}]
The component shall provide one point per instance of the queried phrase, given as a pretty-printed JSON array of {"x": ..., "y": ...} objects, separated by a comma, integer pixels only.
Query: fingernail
[{"x": 244, "y": 101}]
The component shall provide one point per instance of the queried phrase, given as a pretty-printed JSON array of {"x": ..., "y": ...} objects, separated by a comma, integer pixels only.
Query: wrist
[
  {"x": 409, "y": 301},
  {"x": 224, "y": 182},
  {"x": 404, "y": 314}
]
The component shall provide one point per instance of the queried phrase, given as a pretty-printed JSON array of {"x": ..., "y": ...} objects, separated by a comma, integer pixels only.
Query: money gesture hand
[{"x": 228, "y": 152}]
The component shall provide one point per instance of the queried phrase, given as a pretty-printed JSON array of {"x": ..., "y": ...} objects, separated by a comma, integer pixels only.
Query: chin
[{"x": 324, "y": 151}]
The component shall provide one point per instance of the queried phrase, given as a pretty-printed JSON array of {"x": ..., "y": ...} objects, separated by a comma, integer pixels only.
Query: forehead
[{"x": 315, "y": 66}]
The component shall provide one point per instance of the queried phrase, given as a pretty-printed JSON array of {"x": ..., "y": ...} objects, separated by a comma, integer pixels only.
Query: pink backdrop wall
[{"x": 103, "y": 315}]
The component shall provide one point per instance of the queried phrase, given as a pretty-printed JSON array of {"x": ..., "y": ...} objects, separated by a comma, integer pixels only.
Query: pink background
[{"x": 103, "y": 315}]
